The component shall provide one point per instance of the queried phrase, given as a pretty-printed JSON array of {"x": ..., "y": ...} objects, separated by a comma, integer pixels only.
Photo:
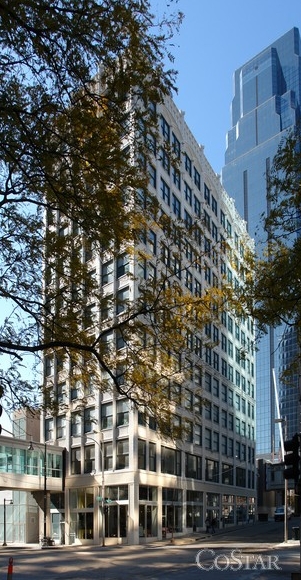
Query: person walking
[
  {"x": 213, "y": 525},
  {"x": 207, "y": 523}
]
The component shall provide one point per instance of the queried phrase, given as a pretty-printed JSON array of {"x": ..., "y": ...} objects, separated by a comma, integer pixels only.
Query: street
[{"x": 253, "y": 552}]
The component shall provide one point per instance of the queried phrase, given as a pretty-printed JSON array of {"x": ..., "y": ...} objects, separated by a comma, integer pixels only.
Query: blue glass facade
[{"x": 265, "y": 106}]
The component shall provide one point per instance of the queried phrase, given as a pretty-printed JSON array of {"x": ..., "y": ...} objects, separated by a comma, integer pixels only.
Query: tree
[
  {"x": 80, "y": 81},
  {"x": 273, "y": 291}
]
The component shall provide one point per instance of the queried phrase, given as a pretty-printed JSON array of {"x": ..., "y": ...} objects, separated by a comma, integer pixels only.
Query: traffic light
[{"x": 292, "y": 458}]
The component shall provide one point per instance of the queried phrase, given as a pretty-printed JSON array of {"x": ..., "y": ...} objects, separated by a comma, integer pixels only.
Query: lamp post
[
  {"x": 284, "y": 423},
  {"x": 10, "y": 502},
  {"x": 100, "y": 445},
  {"x": 31, "y": 448}
]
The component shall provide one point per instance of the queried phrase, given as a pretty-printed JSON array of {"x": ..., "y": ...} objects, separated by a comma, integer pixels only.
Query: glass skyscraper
[{"x": 265, "y": 106}]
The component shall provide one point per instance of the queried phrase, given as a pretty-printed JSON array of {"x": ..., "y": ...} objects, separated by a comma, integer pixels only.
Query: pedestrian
[
  {"x": 207, "y": 522},
  {"x": 213, "y": 525}
]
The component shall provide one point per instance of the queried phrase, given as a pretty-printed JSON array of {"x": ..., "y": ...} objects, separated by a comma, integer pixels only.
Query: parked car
[{"x": 279, "y": 513}]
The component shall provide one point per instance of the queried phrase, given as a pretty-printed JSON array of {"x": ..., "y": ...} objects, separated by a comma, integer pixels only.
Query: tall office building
[
  {"x": 265, "y": 106},
  {"x": 154, "y": 486}
]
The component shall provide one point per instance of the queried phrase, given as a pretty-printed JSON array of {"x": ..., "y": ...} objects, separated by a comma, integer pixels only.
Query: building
[
  {"x": 123, "y": 483},
  {"x": 265, "y": 106}
]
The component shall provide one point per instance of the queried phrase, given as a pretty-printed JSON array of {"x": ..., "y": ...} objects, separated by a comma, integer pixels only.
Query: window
[
  {"x": 188, "y": 164},
  {"x": 152, "y": 456},
  {"x": 89, "y": 458},
  {"x": 49, "y": 429},
  {"x": 208, "y": 382},
  {"x": 206, "y": 193},
  {"x": 193, "y": 466},
  {"x": 61, "y": 427},
  {"x": 75, "y": 424},
  {"x": 188, "y": 279},
  {"x": 224, "y": 418},
  {"x": 176, "y": 176},
  {"x": 170, "y": 461},
  {"x": 152, "y": 240},
  {"x": 88, "y": 419},
  {"x": 122, "y": 454},
  {"x": 107, "y": 272},
  {"x": 107, "y": 415},
  {"x": 165, "y": 161},
  {"x": 165, "y": 128},
  {"x": 122, "y": 297},
  {"x": 208, "y": 438},
  {"x": 122, "y": 408},
  {"x": 152, "y": 175},
  {"x": 176, "y": 206},
  {"x": 197, "y": 179},
  {"x": 165, "y": 192},
  {"x": 214, "y": 205},
  {"x": 215, "y": 441},
  {"x": 141, "y": 454},
  {"x": 122, "y": 265},
  {"x": 188, "y": 193},
  {"x": 176, "y": 147},
  {"x": 75, "y": 461},
  {"x": 108, "y": 455},
  {"x": 187, "y": 219},
  {"x": 212, "y": 469}
]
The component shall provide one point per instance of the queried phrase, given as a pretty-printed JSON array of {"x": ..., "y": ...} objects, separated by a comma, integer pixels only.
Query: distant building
[{"x": 265, "y": 106}]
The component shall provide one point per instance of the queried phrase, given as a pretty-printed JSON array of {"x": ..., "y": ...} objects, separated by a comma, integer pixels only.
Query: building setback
[
  {"x": 124, "y": 484},
  {"x": 265, "y": 106}
]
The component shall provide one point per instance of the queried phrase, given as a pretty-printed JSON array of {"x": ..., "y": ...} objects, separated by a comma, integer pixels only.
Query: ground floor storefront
[{"x": 135, "y": 513}]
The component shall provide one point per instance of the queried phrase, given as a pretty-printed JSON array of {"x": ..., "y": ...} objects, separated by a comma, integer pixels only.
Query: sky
[{"x": 215, "y": 38}]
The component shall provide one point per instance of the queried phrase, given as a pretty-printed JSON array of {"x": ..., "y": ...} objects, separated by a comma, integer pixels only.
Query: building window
[
  {"x": 89, "y": 458},
  {"x": 122, "y": 298},
  {"x": 176, "y": 206},
  {"x": 122, "y": 454},
  {"x": 152, "y": 457},
  {"x": 176, "y": 147},
  {"x": 188, "y": 193},
  {"x": 123, "y": 265},
  {"x": 107, "y": 272},
  {"x": 75, "y": 461},
  {"x": 211, "y": 472},
  {"x": 165, "y": 192},
  {"x": 165, "y": 129},
  {"x": 61, "y": 427},
  {"x": 152, "y": 175},
  {"x": 176, "y": 177},
  {"x": 122, "y": 411},
  {"x": 188, "y": 164},
  {"x": 165, "y": 162},
  {"x": 49, "y": 429},
  {"x": 107, "y": 416},
  {"x": 193, "y": 466},
  {"x": 197, "y": 179},
  {"x": 76, "y": 424},
  {"x": 170, "y": 461},
  {"x": 208, "y": 438},
  {"x": 89, "y": 419},
  {"x": 206, "y": 193},
  {"x": 141, "y": 454},
  {"x": 108, "y": 456}
]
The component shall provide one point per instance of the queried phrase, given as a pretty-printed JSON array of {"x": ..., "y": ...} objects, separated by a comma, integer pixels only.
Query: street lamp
[
  {"x": 31, "y": 448},
  {"x": 284, "y": 423},
  {"x": 10, "y": 502},
  {"x": 100, "y": 445}
]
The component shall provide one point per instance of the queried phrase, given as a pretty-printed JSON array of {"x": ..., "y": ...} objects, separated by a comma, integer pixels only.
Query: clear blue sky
[{"x": 216, "y": 38}]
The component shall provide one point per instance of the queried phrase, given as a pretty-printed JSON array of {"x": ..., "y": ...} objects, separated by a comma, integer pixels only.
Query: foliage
[{"x": 80, "y": 81}]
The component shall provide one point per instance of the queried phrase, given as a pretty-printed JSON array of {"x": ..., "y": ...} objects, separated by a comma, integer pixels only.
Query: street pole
[
  {"x": 5, "y": 501},
  {"x": 45, "y": 494}
]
